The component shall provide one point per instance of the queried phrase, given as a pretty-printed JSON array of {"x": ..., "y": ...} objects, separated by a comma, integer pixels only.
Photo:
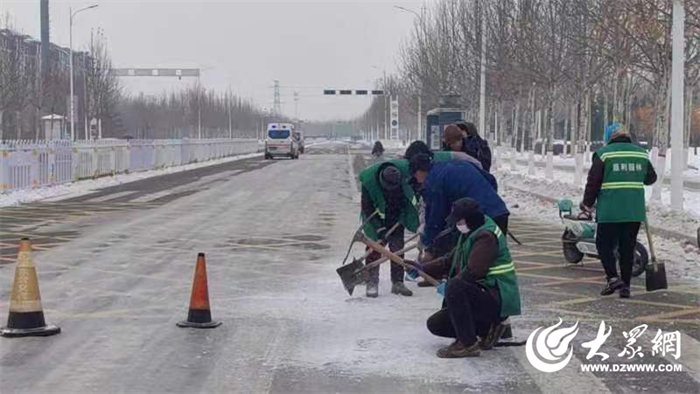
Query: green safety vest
[
  {"x": 621, "y": 197},
  {"x": 501, "y": 274},
  {"x": 369, "y": 178},
  {"x": 442, "y": 156}
]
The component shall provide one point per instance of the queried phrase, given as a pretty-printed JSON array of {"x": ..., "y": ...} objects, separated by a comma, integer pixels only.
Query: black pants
[
  {"x": 621, "y": 237},
  {"x": 470, "y": 310},
  {"x": 396, "y": 242}
]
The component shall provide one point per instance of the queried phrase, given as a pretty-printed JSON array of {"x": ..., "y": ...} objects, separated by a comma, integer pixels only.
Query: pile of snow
[
  {"x": 520, "y": 193},
  {"x": 79, "y": 188}
]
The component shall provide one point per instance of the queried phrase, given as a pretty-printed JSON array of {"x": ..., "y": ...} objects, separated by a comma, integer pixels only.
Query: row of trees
[
  {"x": 554, "y": 68},
  {"x": 26, "y": 95},
  {"x": 186, "y": 113}
]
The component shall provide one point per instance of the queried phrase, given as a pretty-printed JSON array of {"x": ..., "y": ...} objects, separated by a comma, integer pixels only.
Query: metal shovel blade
[
  {"x": 656, "y": 276},
  {"x": 351, "y": 275}
]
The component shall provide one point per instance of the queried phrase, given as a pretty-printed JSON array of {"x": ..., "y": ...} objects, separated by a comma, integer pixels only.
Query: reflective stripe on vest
[
  {"x": 623, "y": 154},
  {"x": 622, "y": 185},
  {"x": 502, "y": 269}
]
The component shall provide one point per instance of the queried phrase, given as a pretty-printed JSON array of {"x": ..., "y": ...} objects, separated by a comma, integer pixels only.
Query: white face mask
[{"x": 462, "y": 228}]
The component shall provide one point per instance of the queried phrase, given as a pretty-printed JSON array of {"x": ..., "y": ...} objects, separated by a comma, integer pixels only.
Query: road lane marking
[{"x": 112, "y": 196}]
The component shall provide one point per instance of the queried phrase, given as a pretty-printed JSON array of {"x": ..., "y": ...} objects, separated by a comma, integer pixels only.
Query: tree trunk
[
  {"x": 663, "y": 107},
  {"x": 549, "y": 169},
  {"x": 689, "y": 92},
  {"x": 18, "y": 124},
  {"x": 2, "y": 117}
]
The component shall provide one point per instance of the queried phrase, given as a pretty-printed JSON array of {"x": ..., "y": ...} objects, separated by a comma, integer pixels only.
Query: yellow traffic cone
[{"x": 26, "y": 317}]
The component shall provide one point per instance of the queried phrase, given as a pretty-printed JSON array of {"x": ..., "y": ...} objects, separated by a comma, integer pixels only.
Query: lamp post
[
  {"x": 70, "y": 66},
  {"x": 677, "y": 74},
  {"x": 419, "y": 127}
]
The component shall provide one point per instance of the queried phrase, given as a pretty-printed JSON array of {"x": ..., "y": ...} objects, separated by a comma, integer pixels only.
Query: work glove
[
  {"x": 584, "y": 208},
  {"x": 441, "y": 288},
  {"x": 413, "y": 272}
]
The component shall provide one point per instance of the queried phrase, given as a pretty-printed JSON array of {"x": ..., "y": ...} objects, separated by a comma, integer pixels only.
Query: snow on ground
[
  {"x": 79, "y": 188},
  {"x": 519, "y": 191},
  {"x": 692, "y": 173}
]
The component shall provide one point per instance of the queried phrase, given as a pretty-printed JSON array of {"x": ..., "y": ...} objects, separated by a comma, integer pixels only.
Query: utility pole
[
  {"x": 70, "y": 66},
  {"x": 228, "y": 108},
  {"x": 482, "y": 88},
  {"x": 419, "y": 133},
  {"x": 677, "y": 97},
  {"x": 296, "y": 105},
  {"x": 277, "y": 109}
]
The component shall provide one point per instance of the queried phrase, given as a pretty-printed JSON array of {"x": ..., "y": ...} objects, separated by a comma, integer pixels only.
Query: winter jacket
[
  {"x": 616, "y": 180},
  {"x": 477, "y": 147},
  {"x": 398, "y": 205},
  {"x": 447, "y": 183},
  {"x": 485, "y": 259},
  {"x": 445, "y": 156}
]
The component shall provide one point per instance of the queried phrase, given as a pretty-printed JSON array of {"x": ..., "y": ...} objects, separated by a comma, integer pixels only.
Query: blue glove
[
  {"x": 412, "y": 273},
  {"x": 441, "y": 288}
]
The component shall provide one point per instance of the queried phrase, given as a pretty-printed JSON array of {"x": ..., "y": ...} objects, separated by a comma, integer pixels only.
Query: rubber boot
[
  {"x": 401, "y": 289},
  {"x": 373, "y": 283}
]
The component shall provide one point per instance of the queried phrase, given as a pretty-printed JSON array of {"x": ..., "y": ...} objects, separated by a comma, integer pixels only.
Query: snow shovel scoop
[
  {"x": 353, "y": 274},
  {"x": 656, "y": 272}
]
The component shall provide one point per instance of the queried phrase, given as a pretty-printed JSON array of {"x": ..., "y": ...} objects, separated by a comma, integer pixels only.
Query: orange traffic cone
[
  {"x": 199, "y": 315},
  {"x": 26, "y": 317}
]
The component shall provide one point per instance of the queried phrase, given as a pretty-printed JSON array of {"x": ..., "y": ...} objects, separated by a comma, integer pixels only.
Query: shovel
[
  {"x": 353, "y": 274},
  {"x": 369, "y": 252},
  {"x": 393, "y": 257},
  {"x": 656, "y": 272},
  {"x": 376, "y": 212}
]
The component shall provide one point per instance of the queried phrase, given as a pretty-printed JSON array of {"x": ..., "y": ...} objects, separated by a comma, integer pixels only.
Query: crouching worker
[
  {"x": 483, "y": 288},
  {"x": 385, "y": 189}
]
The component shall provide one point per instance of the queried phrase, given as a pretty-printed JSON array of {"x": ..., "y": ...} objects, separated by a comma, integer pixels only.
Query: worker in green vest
[
  {"x": 616, "y": 181},
  {"x": 482, "y": 289},
  {"x": 385, "y": 189}
]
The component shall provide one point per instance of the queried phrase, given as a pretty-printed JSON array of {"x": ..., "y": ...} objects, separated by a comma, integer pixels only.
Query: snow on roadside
[
  {"x": 79, "y": 188},
  {"x": 682, "y": 259}
]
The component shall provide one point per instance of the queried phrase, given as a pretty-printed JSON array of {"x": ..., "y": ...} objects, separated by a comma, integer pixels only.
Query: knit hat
[
  {"x": 467, "y": 209},
  {"x": 613, "y": 127},
  {"x": 390, "y": 178}
]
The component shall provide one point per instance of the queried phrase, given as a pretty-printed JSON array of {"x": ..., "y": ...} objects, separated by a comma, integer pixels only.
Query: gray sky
[{"x": 243, "y": 44}]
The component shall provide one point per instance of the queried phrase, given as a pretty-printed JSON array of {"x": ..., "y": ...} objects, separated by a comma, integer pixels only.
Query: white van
[{"x": 280, "y": 141}]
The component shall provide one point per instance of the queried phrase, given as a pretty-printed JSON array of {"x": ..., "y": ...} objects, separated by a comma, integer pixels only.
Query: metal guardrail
[{"x": 33, "y": 164}]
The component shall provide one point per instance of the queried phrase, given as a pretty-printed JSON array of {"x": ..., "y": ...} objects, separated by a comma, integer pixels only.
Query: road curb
[{"x": 657, "y": 230}]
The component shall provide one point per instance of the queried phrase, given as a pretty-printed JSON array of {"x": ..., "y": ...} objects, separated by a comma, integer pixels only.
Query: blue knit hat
[{"x": 611, "y": 129}]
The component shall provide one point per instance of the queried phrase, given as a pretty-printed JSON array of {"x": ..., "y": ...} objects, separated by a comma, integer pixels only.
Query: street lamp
[
  {"x": 420, "y": 93},
  {"x": 70, "y": 62}
]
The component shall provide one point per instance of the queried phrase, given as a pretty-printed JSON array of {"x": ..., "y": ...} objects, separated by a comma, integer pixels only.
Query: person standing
[
  {"x": 616, "y": 180},
  {"x": 472, "y": 144},
  {"x": 385, "y": 189}
]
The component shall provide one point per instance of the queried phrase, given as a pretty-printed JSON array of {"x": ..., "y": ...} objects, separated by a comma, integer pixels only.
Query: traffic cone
[
  {"x": 26, "y": 317},
  {"x": 199, "y": 315}
]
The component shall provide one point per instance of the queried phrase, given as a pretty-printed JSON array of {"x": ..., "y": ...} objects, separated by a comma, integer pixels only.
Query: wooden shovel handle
[{"x": 398, "y": 260}]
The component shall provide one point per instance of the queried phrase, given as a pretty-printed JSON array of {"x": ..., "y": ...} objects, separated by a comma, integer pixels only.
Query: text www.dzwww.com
[{"x": 631, "y": 368}]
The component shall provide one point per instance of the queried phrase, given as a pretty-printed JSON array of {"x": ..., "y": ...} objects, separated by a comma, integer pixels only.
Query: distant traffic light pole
[{"x": 70, "y": 66}]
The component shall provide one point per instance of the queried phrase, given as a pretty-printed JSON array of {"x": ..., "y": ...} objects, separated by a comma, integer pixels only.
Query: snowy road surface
[{"x": 116, "y": 267}]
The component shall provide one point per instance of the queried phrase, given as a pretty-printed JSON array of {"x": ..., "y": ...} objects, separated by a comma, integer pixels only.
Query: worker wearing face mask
[{"x": 482, "y": 289}]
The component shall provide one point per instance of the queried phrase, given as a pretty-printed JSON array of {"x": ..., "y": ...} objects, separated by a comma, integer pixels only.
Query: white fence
[{"x": 29, "y": 164}]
